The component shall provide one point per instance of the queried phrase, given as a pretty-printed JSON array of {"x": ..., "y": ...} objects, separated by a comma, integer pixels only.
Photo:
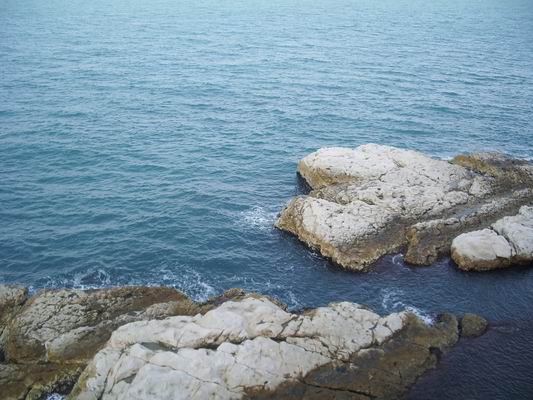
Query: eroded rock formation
[
  {"x": 46, "y": 340},
  {"x": 373, "y": 200},
  {"x": 155, "y": 343},
  {"x": 509, "y": 241},
  {"x": 252, "y": 348},
  {"x": 473, "y": 325}
]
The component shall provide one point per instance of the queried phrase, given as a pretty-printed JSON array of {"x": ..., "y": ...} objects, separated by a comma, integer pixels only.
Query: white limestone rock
[
  {"x": 481, "y": 250},
  {"x": 518, "y": 230},
  {"x": 510, "y": 241},
  {"x": 363, "y": 191},
  {"x": 240, "y": 346},
  {"x": 364, "y": 200},
  {"x": 60, "y": 325}
]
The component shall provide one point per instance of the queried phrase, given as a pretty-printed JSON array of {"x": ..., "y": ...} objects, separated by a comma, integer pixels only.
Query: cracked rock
[
  {"x": 508, "y": 242},
  {"x": 252, "y": 348},
  {"x": 46, "y": 340},
  {"x": 374, "y": 200}
]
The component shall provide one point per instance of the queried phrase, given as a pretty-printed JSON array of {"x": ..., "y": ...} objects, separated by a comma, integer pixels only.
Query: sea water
[{"x": 154, "y": 142}]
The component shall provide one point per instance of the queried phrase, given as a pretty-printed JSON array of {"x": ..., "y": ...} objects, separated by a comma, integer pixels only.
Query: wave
[
  {"x": 278, "y": 290},
  {"x": 183, "y": 278},
  {"x": 258, "y": 218},
  {"x": 391, "y": 302},
  {"x": 190, "y": 282}
]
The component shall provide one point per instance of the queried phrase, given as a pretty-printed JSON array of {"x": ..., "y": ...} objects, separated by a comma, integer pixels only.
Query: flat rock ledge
[
  {"x": 155, "y": 343},
  {"x": 509, "y": 241},
  {"x": 375, "y": 200}
]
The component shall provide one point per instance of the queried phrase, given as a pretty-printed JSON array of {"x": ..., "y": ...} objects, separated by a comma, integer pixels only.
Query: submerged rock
[
  {"x": 508, "y": 242},
  {"x": 473, "y": 325},
  {"x": 252, "y": 348},
  {"x": 373, "y": 200}
]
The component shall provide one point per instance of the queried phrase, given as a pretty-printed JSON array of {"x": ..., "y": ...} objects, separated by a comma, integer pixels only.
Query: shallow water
[{"x": 155, "y": 142}]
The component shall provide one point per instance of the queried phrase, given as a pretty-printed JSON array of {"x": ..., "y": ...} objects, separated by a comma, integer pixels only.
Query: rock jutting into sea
[
  {"x": 509, "y": 241},
  {"x": 47, "y": 339},
  {"x": 154, "y": 343},
  {"x": 375, "y": 200}
]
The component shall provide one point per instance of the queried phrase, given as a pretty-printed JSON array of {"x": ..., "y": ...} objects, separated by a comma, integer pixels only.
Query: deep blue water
[{"x": 153, "y": 142}]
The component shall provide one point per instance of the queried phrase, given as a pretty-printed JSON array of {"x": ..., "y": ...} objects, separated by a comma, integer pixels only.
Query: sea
[{"x": 155, "y": 142}]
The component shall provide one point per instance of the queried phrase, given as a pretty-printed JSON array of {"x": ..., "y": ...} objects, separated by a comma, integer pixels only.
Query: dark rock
[{"x": 473, "y": 325}]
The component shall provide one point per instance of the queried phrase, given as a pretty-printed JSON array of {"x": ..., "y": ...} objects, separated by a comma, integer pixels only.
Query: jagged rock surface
[
  {"x": 46, "y": 340},
  {"x": 374, "y": 200},
  {"x": 508, "y": 242},
  {"x": 69, "y": 324},
  {"x": 12, "y": 297},
  {"x": 252, "y": 348}
]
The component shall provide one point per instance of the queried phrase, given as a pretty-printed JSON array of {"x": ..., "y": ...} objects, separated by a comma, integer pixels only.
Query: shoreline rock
[
  {"x": 509, "y": 241},
  {"x": 473, "y": 325},
  {"x": 47, "y": 339},
  {"x": 147, "y": 343},
  {"x": 376, "y": 200},
  {"x": 254, "y": 349}
]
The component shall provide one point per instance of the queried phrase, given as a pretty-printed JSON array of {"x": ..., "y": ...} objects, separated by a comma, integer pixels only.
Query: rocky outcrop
[
  {"x": 253, "y": 348},
  {"x": 12, "y": 298},
  {"x": 373, "y": 200},
  {"x": 68, "y": 325},
  {"x": 508, "y": 242},
  {"x": 47, "y": 340},
  {"x": 473, "y": 325},
  {"x": 155, "y": 343}
]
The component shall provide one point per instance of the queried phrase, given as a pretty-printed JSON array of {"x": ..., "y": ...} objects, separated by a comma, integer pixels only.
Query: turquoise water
[{"x": 154, "y": 142}]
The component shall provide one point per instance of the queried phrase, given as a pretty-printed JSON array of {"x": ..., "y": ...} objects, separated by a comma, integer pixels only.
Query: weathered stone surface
[
  {"x": 11, "y": 297},
  {"x": 518, "y": 230},
  {"x": 510, "y": 241},
  {"x": 48, "y": 339},
  {"x": 506, "y": 170},
  {"x": 253, "y": 348},
  {"x": 62, "y": 325},
  {"x": 35, "y": 381},
  {"x": 374, "y": 200},
  {"x": 431, "y": 239},
  {"x": 473, "y": 325},
  {"x": 377, "y": 372},
  {"x": 233, "y": 346},
  {"x": 481, "y": 250}
]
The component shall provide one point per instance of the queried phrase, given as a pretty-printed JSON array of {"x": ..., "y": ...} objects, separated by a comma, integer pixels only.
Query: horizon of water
[{"x": 154, "y": 143}]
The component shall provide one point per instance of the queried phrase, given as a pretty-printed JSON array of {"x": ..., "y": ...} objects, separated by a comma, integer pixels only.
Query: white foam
[
  {"x": 183, "y": 278},
  {"x": 186, "y": 279},
  {"x": 398, "y": 260},
  {"x": 269, "y": 288},
  {"x": 100, "y": 277},
  {"x": 392, "y": 303},
  {"x": 424, "y": 316},
  {"x": 258, "y": 218}
]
